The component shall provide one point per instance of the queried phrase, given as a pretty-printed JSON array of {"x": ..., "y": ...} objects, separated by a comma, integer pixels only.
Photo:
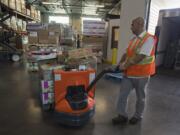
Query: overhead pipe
[{"x": 118, "y": 4}]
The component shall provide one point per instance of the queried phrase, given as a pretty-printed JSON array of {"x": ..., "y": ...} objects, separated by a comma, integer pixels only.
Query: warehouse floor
[{"x": 21, "y": 114}]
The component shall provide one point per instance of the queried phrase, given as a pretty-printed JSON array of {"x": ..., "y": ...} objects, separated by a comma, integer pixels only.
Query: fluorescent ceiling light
[
  {"x": 57, "y": 3},
  {"x": 59, "y": 19},
  {"x": 88, "y": 5},
  {"x": 91, "y": 18},
  {"x": 51, "y": 3}
]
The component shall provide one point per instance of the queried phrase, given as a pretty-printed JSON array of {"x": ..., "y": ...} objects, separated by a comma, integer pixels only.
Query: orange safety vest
[{"x": 147, "y": 66}]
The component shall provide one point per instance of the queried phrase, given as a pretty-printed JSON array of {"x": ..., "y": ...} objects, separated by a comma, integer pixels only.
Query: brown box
[
  {"x": 53, "y": 37},
  {"x": 12, "y": 4},
  {"x": 54, "y": 27},
  {"x": 18, "y": 5},
  {"x": 80, "y": 53},
  {"x": 92, "y": 39},
  {"x": 33, "y": 37},
  {"x": 23, "y": 7},
  {"x": 32, "y": 11},
  {"x": 43, "y": 36},
  {"x": 53, "y": 40}
]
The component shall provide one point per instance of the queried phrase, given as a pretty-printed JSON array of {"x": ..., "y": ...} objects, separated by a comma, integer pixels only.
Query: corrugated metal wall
[{"x": 156, "y": 5}]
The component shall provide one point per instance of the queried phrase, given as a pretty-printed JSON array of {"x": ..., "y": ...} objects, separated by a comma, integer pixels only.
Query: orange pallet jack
[{"x": 74, "y": 95}]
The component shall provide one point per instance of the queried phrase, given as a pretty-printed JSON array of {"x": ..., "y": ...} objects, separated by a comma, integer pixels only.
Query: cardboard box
[
  {"x": 18, "y": 5},
  {"x": 52, "y": 33},
  {"x": 23, "y": 7},
  {"x": 80, "y": 53},
  {"x": 53, "y": 40},
  {"x": 33, "y": 37},
  {"x": 54, "y": 27},
  {"x": 53, "y": 37},
  {"x": 90, "y": 39},
  {"x": 43, "y": 36},
  {"x": 12, "y": 4},
  {"x": 32, "y": 10},
  {"x": 5, "y": 2}
]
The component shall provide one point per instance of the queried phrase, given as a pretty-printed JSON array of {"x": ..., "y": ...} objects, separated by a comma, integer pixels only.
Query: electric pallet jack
[{"x": 74, "y": 95}]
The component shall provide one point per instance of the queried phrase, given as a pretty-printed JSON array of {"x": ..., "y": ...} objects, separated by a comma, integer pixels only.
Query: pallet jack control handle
[{"x": 100, "y": 75}]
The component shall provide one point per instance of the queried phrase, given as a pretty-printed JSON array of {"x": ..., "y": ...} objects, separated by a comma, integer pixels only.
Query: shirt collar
[{"x": 140, "y": 35}]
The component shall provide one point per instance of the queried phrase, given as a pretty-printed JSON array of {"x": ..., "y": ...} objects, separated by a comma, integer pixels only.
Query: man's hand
[{"x": 122, "y": 66}]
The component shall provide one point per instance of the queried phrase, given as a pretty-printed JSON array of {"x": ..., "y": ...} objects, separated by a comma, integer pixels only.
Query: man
[{"x": 138, "y": 64}]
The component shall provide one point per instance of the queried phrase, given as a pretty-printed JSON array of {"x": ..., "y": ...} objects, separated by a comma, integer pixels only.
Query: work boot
[
  {"x": 134, "y": 120},
  {"x": 120, "y": 120}
]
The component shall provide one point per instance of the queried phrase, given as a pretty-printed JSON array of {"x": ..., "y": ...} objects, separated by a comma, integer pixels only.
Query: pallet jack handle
[{"x": 100, "y": 75}]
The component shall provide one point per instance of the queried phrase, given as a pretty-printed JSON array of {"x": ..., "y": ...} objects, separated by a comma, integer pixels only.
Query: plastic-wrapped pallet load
[{"x": 47, "y": 85}]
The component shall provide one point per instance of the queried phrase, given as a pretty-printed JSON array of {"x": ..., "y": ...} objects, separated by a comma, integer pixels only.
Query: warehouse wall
[
  {"x": 130, "y": 10},
  {"x": 112, "y": 23}
]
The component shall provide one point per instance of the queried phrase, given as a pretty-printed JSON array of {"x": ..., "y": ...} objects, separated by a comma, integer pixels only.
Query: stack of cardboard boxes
[
  {"x": 45, "y": 35},
  {"x": 20, "y": 6}
]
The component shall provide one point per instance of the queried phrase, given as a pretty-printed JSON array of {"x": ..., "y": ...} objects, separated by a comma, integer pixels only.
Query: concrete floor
[{"x": 21, "y": 114}]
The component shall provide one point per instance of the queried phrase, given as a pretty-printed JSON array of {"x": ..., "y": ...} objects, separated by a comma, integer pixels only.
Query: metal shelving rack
[{"x": 6, "y": 50}]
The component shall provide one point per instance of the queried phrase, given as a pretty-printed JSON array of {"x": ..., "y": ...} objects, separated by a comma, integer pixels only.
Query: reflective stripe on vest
[{"x": 147, "y": 60}]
